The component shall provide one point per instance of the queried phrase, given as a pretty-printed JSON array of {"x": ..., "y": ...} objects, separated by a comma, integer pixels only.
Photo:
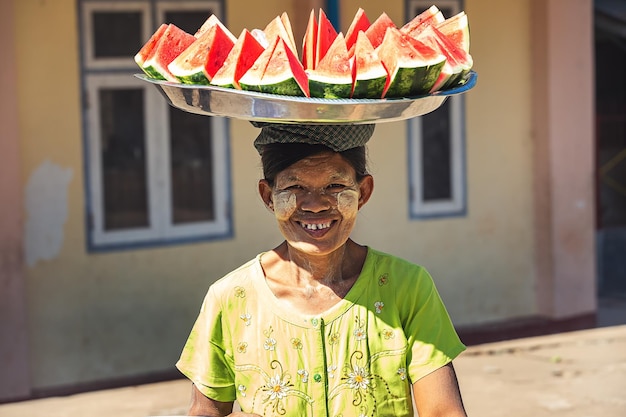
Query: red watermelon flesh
[
  {"x": 251, "y": 80},
  {"x": 147, "y": 48},
  {"x": 284, "y": 73},
  {"x": 309, "y": 42},
  {"x": 457, "y": 30},
  {"x": 211, "y": 21},
  {"x": 428, "y": 17},
  {"x": 239, "y": 60},
  {"x": 332, "y": 77},
  {"x": 202, "y": 59},
  {"x": 458, "y": 62},
  {"x": 277, "y": 28},
  {"x": 360, "y": 22},
  {"x": 368, "y": 72},
  {"x": 326, "y": 34},
  {"x": 376, "y": 32},
  {"x": 287, "y": 25},
  {"x": 171, "y": 44},
  {"x": 412, "y": 67}
]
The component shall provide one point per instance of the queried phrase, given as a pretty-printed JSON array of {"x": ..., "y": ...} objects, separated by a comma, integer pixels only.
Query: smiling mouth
[{"x": 315, "y": 226}]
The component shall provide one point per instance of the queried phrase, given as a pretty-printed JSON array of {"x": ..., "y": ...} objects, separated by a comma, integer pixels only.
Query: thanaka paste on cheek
[
  {"x": 284, "y": 204},
  {"x": 348, "y": 203}
]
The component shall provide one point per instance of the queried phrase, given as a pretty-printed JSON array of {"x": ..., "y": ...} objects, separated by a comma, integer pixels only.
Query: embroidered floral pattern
[
  {"x": 240, "y": 292},
  {"x": 330, "y": 370},
  {"x": 378, "y": 306},
  {"x": 304, "y": 375},
  {"x": 270, "y": 344},
  {"x": 296, "y": 343},
  {"x": 359, "y": 378},
  {"x": 242, "y": 347},
  {"x": 359, "y": 333},
  {"x": 402, "y": 373},
  {"x": 388, "y": 334},
  {"x": 333, "y": 338},
  {"x": 276, "y": 388},
  {"x": 383, "y": 280},
  {"x": 242, "y": 390},
  {"x": 247, "y": 318}
]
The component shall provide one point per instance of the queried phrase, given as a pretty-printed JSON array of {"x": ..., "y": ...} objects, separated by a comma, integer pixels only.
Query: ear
[
  {"x": 265, "y": 191},
  {"x": 366, "y": 188}
]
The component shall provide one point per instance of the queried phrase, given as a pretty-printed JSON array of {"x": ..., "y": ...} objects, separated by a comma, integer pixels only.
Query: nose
[{"x": 315, "y": 201}]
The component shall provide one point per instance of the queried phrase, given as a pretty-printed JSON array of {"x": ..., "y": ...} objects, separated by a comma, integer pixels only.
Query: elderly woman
[{"x": 321, "y": 325}]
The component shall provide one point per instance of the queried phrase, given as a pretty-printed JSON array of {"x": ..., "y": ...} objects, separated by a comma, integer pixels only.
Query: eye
[{"x": 336, "y": 187}]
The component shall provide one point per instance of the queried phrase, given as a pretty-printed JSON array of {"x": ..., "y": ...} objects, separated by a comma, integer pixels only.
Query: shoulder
[
  {"x": 242, "y": 277},
  {"x": 380, "y": 262}
]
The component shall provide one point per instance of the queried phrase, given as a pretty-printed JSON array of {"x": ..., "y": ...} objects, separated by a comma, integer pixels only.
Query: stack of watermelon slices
[{"x": 373, "y": 60}]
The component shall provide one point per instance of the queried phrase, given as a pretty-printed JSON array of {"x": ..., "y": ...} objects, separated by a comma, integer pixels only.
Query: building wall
[{"x": 102, "y": 316}]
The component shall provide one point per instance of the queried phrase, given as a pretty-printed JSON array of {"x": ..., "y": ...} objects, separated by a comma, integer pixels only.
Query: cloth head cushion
[{"x": 338, "y": 137}]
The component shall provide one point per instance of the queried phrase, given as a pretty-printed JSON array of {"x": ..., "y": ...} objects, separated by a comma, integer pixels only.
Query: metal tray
[{"x": 247, "y": 105}]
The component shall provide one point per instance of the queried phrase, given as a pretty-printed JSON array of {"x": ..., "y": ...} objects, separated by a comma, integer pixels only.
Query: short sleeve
[
  {"x": 205, "y": 359},
  {"x": 432, "y": 339}
]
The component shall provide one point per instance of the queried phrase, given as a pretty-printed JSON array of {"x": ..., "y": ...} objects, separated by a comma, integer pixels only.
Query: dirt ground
[{"x": 575, "y": 374}]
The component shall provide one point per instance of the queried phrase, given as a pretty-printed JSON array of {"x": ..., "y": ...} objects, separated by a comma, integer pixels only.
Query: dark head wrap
[{"x": 338, "y": 137}]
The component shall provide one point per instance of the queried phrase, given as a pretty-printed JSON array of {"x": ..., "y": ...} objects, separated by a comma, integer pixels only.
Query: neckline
[{"x": 310, "y": 320}]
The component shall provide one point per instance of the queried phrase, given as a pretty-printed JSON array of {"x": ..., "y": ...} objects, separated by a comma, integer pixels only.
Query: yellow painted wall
[{"x": 126, "y": 313}]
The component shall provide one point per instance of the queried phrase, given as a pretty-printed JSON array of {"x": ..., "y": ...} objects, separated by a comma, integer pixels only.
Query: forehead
[{"x": 322, "y": 165}]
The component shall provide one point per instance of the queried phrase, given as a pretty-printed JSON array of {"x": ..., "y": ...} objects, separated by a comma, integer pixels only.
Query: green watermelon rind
[
  {"x": 156, "y": 71},
  {"x": 413, "y": 81},
  {"x": 286, "y": 87},
  {"x": 328, "y": 86},
  {"x": 369, "y": 88},
  {"x": 198, "y": 77}
]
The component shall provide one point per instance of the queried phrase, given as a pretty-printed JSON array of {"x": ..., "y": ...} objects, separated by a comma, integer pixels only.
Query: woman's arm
[
  {"x": 437, "y": 394},
  {"x": 201, "y": 405}
]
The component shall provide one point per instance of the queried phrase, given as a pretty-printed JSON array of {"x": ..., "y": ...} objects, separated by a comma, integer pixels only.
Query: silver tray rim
[{"x": 255, "y": 106}]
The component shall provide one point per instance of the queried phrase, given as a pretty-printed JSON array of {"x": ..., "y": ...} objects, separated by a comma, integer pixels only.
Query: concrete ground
[{"x": 574, "y": 374}]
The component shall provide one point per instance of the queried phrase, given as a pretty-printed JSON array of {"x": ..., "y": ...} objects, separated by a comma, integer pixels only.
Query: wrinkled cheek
[
  {"x": 284, "y": 205},
  {"x": 348, "y": 203}
]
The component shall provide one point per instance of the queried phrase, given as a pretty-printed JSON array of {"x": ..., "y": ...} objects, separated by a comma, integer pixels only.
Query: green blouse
[{"x": 359, "y": 358}]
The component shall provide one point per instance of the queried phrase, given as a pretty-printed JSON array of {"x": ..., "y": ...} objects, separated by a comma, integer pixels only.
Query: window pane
[
  {"x": 191, "y": 167},
  {"x": 123, "y": 158},
  {"x": 189, "y": 21},
  {"x": 117, "y": 34},
  {"x": 436, "y": 161}
]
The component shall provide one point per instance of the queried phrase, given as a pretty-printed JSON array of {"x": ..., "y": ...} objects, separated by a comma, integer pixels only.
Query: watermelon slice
[
  {"x": 369, "y": 73},
  {"x": 430, "y": 16},
  {"x": 172, "y": 43},
  {"x": 211, "y": 21},
  {"x": 146, "y": 49},
  {"x": 332, "y": 77},
  {"x": 360, "y": 22},
  {"x": 456, "y": 28},
  {"x": 202, "y": 59},
  {"x": 251, "y": 80},
  {"x": 326, "y": 35},
  {"x": 277, "y": 28},
  {"x": 412, "y": 67},
  {"x": 287, "y": 24},
  {"x": 308, "y": 43},
  {"x": 458, "y": 62},
  {"x": 376, "y": 32},
  {"x": 243, "y": 55},
  {"x": 284, "y": 74}
]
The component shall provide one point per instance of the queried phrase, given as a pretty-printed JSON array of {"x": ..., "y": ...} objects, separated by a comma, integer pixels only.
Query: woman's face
[{"x": 316, "y": 201}]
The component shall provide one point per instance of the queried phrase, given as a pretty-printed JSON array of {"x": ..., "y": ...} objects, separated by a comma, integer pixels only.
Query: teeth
[{"x": 314, "y": 226}]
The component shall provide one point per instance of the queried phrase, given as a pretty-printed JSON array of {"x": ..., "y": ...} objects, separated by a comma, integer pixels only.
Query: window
[
  {"x": 154, "y": 174},
  {"x": 437, "y": 147}
]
